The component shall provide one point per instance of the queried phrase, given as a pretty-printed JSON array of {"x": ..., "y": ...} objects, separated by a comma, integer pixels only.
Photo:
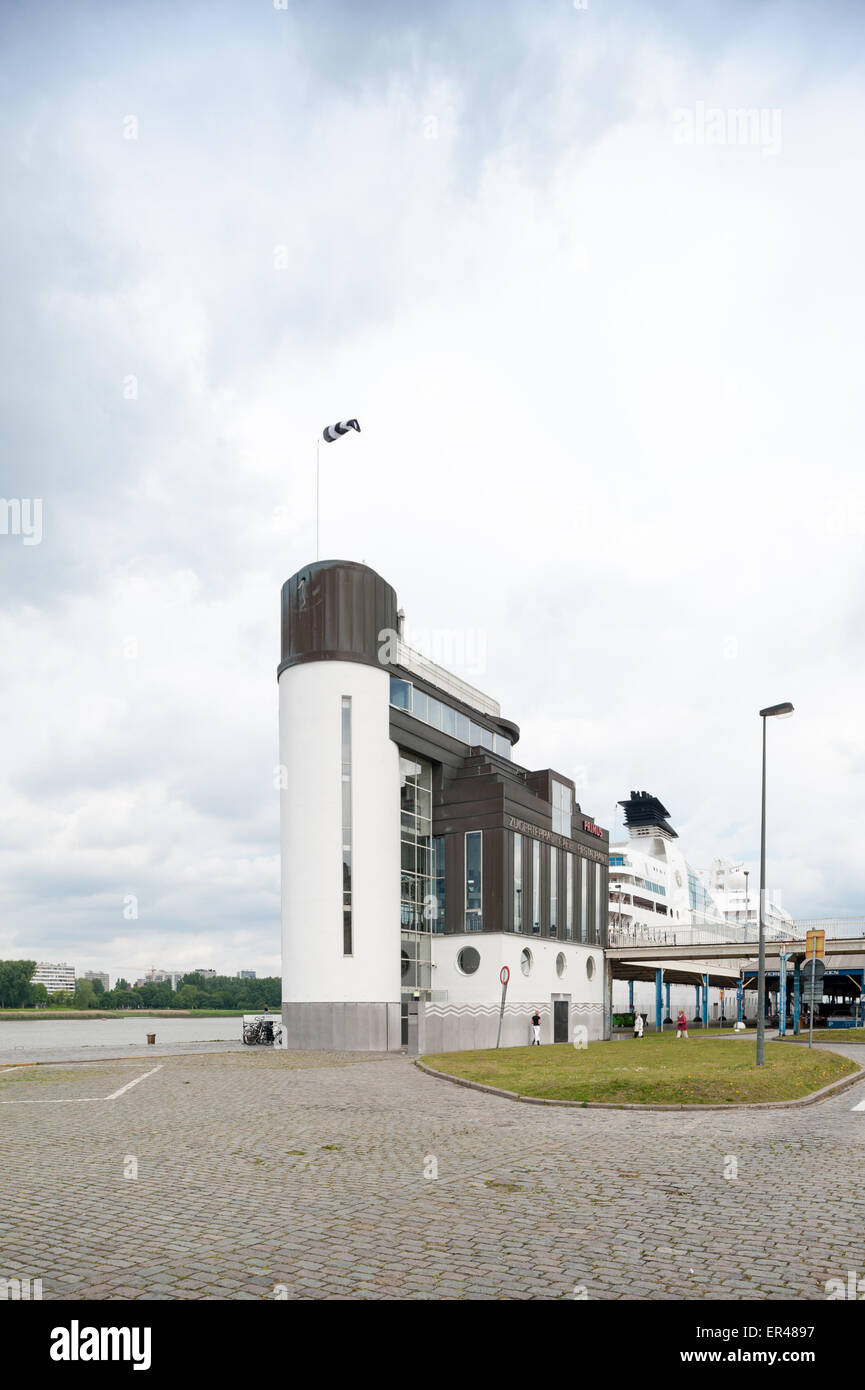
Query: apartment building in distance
[{"x": 54, "y": 977}]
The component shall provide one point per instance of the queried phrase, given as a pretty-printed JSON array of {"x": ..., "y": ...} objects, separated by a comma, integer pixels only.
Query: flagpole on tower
[
  {"x": 317, "y": 447},
  {"x": 329, "y": 435}
]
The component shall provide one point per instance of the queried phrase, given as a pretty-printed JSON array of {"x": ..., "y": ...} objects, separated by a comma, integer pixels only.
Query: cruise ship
[
  {"x": 657, "y": 896},
  {"x": 739, "y": 901}
]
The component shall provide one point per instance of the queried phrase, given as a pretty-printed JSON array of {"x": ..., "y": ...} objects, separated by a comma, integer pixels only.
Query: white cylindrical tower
[{"x": 339, "y": 804}]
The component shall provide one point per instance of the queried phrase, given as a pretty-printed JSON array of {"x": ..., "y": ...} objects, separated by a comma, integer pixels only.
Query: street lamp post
[{"x": 771, "y": 712}]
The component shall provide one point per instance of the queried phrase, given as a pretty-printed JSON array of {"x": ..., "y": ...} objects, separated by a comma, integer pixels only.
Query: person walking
[
  {"x": 638, "y": 1024},
  {"x": 682, "y": 1024},
  {"x": 536, "y": 1028}
]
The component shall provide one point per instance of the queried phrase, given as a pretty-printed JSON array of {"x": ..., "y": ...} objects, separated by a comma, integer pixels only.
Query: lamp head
[{"x": 777, "y": 711}]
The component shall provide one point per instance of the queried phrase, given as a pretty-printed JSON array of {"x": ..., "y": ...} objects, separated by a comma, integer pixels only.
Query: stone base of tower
[{"x": 340, "y": 1027}]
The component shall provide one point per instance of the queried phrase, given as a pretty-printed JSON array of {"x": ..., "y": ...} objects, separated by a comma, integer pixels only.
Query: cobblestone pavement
[{"x": 265, "y": 1175}]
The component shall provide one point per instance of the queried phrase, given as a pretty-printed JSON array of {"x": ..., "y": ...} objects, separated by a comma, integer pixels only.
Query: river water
[{"x": 36, "y": 1039}]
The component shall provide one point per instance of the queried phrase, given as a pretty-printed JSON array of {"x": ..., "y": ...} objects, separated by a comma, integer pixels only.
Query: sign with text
[
  {"x": 815, "y": 943},
  {"x": 550, "y": 838}
]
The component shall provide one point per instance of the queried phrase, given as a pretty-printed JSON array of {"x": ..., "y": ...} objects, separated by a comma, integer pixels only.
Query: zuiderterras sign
[{"x": 551, "y": 838}]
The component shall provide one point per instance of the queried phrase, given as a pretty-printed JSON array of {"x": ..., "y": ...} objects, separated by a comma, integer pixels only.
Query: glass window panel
[
  {"x": 569, "y": 919},
  {"x": 536, "y": 886},
  {"x": 486, "y": 738},
  {"x": 346, "y": 825},
  {"x": 474, "y": 880},
  {"x": 597, "y": 935},
  {"x": 434, "y": 712},
  {"x": 400, "y": 693},
  {"x": 554, "y": 891},
  {"x": 584, "y": 900},
  {"x": 419, "y": 708},
  {"x": 418, "y": 910},
  {"x": 438, "y": 872},
  {"x": 502, "y": 746},
  {"x": 518, "y": 881},
  {"x": 476, "y": 734},
  {"x": 449, "y": 720},
  {"x": 464, "y": 728}
]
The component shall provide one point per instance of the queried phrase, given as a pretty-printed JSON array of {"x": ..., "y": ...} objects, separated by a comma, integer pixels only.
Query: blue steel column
[
  {"x": 705, "y": 1001},
  {"x": 659, "y": 1000},
  {"x": 740, "y": 1000},
  {"x": 630, "y": 996},
  {"x": 668, "y": 1003},
  {"x": 782, "y": 997},
  {"x": 797, "y": 994},
  {"x": 697, "y": 1013}
]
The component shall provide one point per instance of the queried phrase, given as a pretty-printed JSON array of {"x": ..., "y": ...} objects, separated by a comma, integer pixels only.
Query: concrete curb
[
  {"x": 823, "y": 1094},
  {"x": 97, "y": 1061}
]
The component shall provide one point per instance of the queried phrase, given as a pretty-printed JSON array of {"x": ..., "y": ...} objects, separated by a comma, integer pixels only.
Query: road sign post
[
  {"x": 504, "y": 976},
  {"x": 815, "y": 946}
]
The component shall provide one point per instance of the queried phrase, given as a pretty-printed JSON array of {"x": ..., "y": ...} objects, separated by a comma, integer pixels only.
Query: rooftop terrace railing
[{"x": 446, "y": 681}]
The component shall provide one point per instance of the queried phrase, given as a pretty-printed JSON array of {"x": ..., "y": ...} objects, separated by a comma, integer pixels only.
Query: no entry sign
[{"x": 504, "y": 974}]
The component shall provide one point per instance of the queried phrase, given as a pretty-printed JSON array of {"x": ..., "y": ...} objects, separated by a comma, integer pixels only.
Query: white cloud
[{"x": 610, "y": 394}]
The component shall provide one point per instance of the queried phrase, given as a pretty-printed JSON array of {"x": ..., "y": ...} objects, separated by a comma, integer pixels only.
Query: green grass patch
[{"x": 660, "y": 1069}]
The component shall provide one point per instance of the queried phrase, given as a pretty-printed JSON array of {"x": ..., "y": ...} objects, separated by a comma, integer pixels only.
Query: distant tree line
[{"x": 194, "y": 992}]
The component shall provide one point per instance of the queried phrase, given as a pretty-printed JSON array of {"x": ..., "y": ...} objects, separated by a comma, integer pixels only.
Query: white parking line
[
  {"x": 143, "y": 1077},
  {"x": 75, "y": 1100},
  {"x": 860, "y": 1106},
  {"x": 82, "y": 1100}
]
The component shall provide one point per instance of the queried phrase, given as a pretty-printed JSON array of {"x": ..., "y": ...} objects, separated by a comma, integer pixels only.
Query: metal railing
[
  {"x": 445, "y": 681},
  {"x": 729, "y": 933}
]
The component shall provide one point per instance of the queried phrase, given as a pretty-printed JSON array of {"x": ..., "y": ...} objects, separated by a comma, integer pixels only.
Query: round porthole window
[
  {"x": 590, "y": 967},
  {"x": 468, "y": 960},
  {"x": 526, "y": 961},
  {"x": 561, "y": 963}
]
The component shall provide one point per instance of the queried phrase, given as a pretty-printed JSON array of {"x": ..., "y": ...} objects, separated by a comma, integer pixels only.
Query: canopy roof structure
[{"x": 689, "y": 973}]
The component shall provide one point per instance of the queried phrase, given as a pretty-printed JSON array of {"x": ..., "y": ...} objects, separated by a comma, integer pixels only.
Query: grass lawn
[{"x": 659, "y": 1069}]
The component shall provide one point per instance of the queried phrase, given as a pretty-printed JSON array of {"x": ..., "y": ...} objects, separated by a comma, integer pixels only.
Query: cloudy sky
[{"x": 591, "y": 280}]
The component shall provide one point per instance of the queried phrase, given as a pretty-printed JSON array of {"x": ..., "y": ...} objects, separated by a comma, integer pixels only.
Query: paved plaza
[{"x": 270, "y": 1175}]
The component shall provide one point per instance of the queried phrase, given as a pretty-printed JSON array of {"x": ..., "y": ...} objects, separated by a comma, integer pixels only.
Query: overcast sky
[{"x": 608, "y": 363}]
